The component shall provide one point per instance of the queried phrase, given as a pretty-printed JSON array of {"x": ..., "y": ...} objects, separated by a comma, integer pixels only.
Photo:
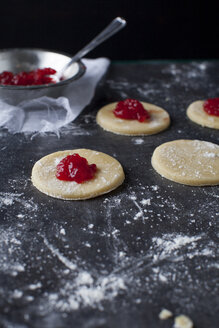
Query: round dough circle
[
  {"x": 190, "y": 162},
  {"x": 196, "y": 113},
  {"x": 159, "y": 121},
  {"x": 109, "y": 176}
]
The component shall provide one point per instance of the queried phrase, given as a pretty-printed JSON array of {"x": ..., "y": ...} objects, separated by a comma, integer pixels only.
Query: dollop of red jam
[
  {"x": 211, "y": 106},
  {"x": 75, "y": 168},
  {"x": 35, "y": 77},
  {"x": 131, "y": 109}
]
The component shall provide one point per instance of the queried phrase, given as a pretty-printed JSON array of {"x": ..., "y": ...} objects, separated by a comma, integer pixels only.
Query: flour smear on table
[{"x": 164, "y": 258}]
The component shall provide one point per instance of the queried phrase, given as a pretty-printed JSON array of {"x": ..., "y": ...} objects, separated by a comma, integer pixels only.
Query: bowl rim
[{"x": 81, "y": 71}]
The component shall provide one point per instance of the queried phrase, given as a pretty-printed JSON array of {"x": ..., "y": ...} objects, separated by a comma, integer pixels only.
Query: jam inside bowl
[{"x": 25, "y": 60}]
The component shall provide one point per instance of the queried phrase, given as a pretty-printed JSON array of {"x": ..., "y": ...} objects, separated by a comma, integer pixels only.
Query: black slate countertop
[{"x": 117, "y": 260}]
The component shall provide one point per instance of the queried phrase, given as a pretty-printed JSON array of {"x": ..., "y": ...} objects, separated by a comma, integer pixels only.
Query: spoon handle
[{"x": 116, "y": 25}]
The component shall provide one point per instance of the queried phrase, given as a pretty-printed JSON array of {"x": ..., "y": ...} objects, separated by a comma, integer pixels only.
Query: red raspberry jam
[
  {"x": 75, "y": 168},
  {"x": 211, "y": 106},
  {"x": 131, "y": 109},
  {"x": 36, "y": 77}
]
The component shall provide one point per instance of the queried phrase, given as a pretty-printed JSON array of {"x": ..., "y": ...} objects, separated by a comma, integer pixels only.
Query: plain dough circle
[
  {"x": 109, "y": 175},
  {"x": 190, "y": 162},
  {"x": 196, "y": 113},
  {"x": 159, "y": 121}
]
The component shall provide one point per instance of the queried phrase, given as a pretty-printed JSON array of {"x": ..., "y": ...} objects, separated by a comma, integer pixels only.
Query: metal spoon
[{"x": 116, "y": 25}]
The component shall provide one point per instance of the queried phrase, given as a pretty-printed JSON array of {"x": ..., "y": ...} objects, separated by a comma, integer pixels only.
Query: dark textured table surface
[{"x": 117, "y": 260}]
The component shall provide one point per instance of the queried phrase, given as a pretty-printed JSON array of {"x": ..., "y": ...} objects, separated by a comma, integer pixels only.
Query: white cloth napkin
[{"x": 46, "y": 114}]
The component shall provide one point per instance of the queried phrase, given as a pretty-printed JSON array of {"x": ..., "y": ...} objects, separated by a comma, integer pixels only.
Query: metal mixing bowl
[{"x": 19, "y": 60}]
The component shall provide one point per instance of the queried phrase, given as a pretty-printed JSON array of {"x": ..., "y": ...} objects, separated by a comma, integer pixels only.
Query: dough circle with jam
[
  {"x": 196, "y": 113},
  {"x": 109, "y": 175},
  {"x": 190, "y": 162},
  {"x": 158, "y": 122}
]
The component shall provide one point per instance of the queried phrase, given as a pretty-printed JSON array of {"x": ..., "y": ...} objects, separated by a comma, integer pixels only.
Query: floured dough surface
[
  {"x": 182, "y": 321},
  {"x": 158, "y": 122},
  {"x": 165, "y": 314},
  {"x": 190, "y": 162},
  {"x": 109, "y": 175},
  {"x": 196, "y": 113}
]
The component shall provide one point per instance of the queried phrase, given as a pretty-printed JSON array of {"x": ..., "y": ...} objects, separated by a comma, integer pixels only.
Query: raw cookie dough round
[
  {"x": 109, "y": 175},
  {"x": 159, "y": 121},
  {"x": 190, "y": 162},
  {"x": 197, "y": 114}
]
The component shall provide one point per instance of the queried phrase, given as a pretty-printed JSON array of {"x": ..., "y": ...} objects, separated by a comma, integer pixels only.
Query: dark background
[{"x": 155, "y": 30}]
